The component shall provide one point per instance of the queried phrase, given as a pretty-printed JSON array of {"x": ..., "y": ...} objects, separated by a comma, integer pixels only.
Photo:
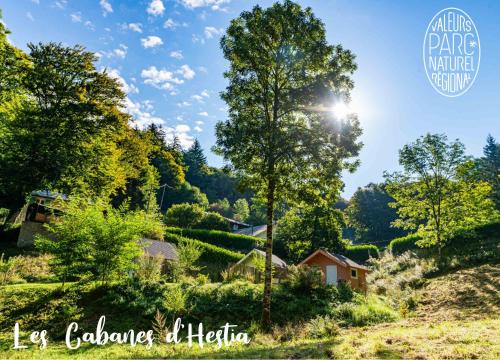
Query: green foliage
[
  {"x": 174, "y": 301},
  {"x": 213, "y": 221},
  {"x": 223, "y": 207},
  {"x": 220, "y": 238},
  {"x": 149, "y": 268},
  {"x": 7, "y": 271},
  {"x": 488, "y": 168},
  {"x": 303, "y": 230},
  {"x": 371, "y": 216},
  {"x": 184, "y": 215},
  {"x": 214, "y": 258},
  {"x": 403, "y": 244},
  {"x": 361, "y": 253},
  {"x": 188, "y": 253},
  {"x": 322, "y": 327},
  {"x": 437, "y": 195},
  {"x": 97, "y": 240},
  {"x": 365, "y": 311},
  {"x": 303, "y": 278},
  {"x": 278, "y": 135},
  {"x": 241, "y": 210}
]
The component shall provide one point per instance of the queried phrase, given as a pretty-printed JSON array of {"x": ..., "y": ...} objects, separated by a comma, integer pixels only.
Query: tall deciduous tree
[
  {"x": 436, "y": 194},
  {"x": 65, "y": 136},
  {"x": 282, "y": 76}
]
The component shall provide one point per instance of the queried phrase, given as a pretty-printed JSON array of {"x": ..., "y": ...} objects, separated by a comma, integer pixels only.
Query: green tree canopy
[
  {"x": 371, "y": 216},
  {"x": 280, "y": 134},
  {"x": 306, "y": 229},
  {"x": 436, "y": 193}
]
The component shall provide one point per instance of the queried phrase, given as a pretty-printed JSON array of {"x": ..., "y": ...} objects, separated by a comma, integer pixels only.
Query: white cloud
[
  {"x": 211, "y": 32},
  {"x": 89, "y": 25},
  {"x": 170, "y": 24},
  {"x": 106, "y": 7},
  {"x": 119, "y": 52},
  {"x": 198, "y": 129},
  {"x": 187, "y": 72},
  {"x": 160, "y": 78},
  {"x": 29, "y": 16},
  {"x": 142, "y": 117},
  {"x": 199, "y": 122},
  {"x": 127, "y": 88},
  {"x": 76, "y": 17},
  {"x": 176, "y": 55},
  {"x": 61, "y": 4},
  {"x": 156, "y": 8},
  {"x": 198, "y": 98},
  {"x": 214, "y": 4},
  {"x": 196, "y": 39},
  {"x": 203, "y": 113},
  {"x": 137, "y": 27},
  {"x": 36, "y": 2},
  {"x": 184, "y": 104},
  {"x": 151, "y": 41}
]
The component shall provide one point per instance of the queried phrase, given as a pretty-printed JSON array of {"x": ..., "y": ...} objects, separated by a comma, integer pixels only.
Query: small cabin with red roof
[{"x": 337, "y": 268}]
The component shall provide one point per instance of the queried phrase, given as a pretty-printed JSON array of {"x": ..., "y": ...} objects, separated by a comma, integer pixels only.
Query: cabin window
[{"x": 354, "y": 273}]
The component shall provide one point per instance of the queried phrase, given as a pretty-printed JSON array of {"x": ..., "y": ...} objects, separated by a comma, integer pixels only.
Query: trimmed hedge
[
  {"x": 219, "y": 238},
  {"x": 214, "y": 259},
  {"x": 405, "y": 243},
  {"x": 361, "y": 253}
]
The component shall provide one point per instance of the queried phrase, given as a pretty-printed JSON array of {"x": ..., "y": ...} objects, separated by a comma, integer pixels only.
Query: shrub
[
  {"x": 219, "y": 238},
  {"x": 303, "y": 278},
  {"x": 361, "y": 253},
  {"x": 188, "y": 253},
  {"x": 322, "y": 326},
  {"x": 34, "y": 268},
  {"x": 213, "y": 221},
  {"x": 149, "y": 268},
  {"x": 184, "y": 215},
  {"x": 402, "y": 244}
]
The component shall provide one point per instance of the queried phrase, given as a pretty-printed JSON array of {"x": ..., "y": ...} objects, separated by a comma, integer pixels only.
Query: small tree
[
  {"x": 188, "y": 254},
  {"x": 184, "y": 215},
  {"x": 436, "y": 193},
  {"x": 97, "y": 240},
  {"x": 241, "y": 210}
]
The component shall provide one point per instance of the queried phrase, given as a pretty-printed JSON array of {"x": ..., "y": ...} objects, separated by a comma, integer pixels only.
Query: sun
[{"x": 340, "y": 110}]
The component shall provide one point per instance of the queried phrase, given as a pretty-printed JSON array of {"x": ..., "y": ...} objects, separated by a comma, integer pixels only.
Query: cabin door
[{"x": 331, "y": 274}]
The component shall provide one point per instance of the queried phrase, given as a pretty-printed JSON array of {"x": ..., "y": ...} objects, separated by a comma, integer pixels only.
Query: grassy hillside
[{"x": 456, "y": 318}]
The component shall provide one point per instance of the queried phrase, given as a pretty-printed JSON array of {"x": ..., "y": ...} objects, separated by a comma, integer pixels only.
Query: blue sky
[{"x": 167, "y": 55}]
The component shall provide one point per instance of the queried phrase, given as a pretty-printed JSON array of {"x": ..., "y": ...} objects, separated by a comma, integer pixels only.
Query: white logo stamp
[{"x": 451, "y": 52}]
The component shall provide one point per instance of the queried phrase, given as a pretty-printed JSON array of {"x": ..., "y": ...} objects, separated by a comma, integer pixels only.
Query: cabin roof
[
  {"x": 275, "y": 260},
  {"x": 166, "y": 250},
  {"x": 344, "y": 260}
]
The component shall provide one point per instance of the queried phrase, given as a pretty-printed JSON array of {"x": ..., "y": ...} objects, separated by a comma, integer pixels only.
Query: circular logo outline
[{"x": 479, "y": 52}]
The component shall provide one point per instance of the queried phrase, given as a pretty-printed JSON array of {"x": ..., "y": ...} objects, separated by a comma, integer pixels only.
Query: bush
[
  {"x": 403, "y": 244},
  {"x": 19, "y": 269},
  {"x": 361, "y": 253},
  {"x": 220, "y": 238},
  {"x": 303, "y": 278},
  {"x": 321, "y": 327},
  {"x": 149, "y": 268},
  {"x": 184, "y": 215},
  {"x": 213, "y": 221}
]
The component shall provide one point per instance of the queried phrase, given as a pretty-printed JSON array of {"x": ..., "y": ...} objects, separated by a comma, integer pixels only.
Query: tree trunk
[{"x": 266, "y": 301}]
